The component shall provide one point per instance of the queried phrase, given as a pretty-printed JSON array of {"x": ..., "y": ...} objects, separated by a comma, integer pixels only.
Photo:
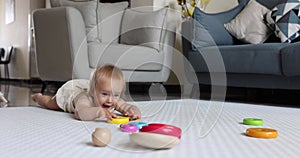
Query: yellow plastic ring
[
  {"x": 262, "y": 132},
  {"x": 119, "y": 120}
]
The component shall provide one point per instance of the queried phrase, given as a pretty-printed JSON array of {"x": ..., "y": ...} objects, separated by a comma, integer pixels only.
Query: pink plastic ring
[
  {"x": 129, "y": 128},
  {"x": 162, "y": 129}
]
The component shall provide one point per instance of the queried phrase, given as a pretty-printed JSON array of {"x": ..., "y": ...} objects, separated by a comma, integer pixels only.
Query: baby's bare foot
[
  {"x": 40, "y": 98},
  {"x": 35, "y": 97}
]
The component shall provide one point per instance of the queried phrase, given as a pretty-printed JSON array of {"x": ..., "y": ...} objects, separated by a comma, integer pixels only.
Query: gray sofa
[
  {"x": 74, "y": 37},
  {"x": 271, "y": 65}
]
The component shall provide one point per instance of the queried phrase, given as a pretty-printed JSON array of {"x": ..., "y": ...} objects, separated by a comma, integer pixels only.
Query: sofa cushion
[
  {"x": 109, "y": 20},
  {"x": 248, "y": 58},
  {"x": 285, "y": 20},
  {"x": 291, "y": 60},
  {"x": 209, "y": 28},
  {"x": 88, "y": 10},
  {"x": 143, "y": 27},
  {"x": 249, "y": 26},
  {"x": 127, "y": 57}
]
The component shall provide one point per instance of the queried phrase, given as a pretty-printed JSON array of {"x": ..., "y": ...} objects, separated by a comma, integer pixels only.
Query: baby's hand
[
  {"x": 133, "y": 113},
  {"x": 105, "y": 114},
  {"x": 109, "y": 115}
]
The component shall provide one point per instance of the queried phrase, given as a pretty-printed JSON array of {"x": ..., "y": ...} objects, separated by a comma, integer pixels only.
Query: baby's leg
[{"x": 45, "y": 101}]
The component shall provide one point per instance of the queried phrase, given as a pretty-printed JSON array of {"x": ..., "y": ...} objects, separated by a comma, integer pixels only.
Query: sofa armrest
[
  {"x": 60, "y": 38},
  {"x": 168, "y": 44},
  {"x": 169, "y": 36}
]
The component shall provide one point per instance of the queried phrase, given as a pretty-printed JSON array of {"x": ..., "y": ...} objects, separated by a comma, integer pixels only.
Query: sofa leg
[
  {"x": 44, "y": 86},
  {"x": 157, "y": 91},
  {"x": 251, "y": 94},
  {"x": 195, "y": 92},
  {"x": 56, "y": 85}
]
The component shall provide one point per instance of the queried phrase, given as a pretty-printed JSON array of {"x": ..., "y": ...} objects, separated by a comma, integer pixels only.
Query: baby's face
[{"x": 109, "y": 93}]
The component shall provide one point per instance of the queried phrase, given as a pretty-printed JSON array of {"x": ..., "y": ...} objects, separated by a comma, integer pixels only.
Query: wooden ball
[{"x": 101, "y": 137}]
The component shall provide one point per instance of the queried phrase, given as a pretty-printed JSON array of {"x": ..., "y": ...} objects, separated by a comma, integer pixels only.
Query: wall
[
  {"x": 215, "y": 6},
  {"x": 16, "y": 34}
]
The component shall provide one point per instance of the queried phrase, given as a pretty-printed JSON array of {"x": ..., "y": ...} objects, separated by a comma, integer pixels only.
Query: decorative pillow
[
  {"x": 249, "y": 26},
  {"x": 109, "y": 19},
  {"x": 54, "y": 3},
  {"x": 88, "y": 11},
  {"x": 209, "y": 28},
  {"x": 143, "y": 28},
  {"x": 57, "y": 3},
  {"x": 284, "y": 19}
]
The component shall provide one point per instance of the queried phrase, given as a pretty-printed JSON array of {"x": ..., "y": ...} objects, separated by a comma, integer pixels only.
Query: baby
[{"x": 93, "y": 102}]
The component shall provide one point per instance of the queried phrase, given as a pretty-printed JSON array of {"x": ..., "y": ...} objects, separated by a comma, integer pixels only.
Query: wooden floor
[{"x": 18, "y": 93}]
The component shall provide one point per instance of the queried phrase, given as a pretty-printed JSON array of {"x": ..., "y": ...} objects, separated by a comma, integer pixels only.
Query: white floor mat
[{"x": 210, "y": 130}]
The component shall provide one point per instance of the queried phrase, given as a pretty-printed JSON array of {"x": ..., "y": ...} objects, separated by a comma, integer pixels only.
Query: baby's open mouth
[{"x": 106, "y": 106}]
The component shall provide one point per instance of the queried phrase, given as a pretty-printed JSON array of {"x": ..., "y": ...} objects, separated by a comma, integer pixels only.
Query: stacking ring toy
[
  {"x": 154, "y": 140},
  {"x": 139, "y": 124},
  {"x": 119, "y": 120},
  {"x": 253, "y": 121},
  {"x": 162, "y": 129},
  {"x": 261, "y": 132},
  {"x": 129, "y": 128}
]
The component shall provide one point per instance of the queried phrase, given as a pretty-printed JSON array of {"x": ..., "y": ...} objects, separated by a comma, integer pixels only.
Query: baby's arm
[
  {"x": 88, "y": 113},
  {"x": 128, "y": 110},
  {"x": 85, "y": 111}
]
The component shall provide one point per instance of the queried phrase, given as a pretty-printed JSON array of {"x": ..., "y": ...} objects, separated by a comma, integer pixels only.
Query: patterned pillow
[{"x": 284, "y": 19}]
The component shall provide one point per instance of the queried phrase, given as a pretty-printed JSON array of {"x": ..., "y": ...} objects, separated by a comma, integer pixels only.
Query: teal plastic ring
[
  {"x": 253, "y": 121},
  {"x": 139, "y": 124}
]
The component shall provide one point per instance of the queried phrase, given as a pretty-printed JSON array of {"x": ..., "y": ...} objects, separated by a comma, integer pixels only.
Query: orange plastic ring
[{"x": 262, "y": 132}]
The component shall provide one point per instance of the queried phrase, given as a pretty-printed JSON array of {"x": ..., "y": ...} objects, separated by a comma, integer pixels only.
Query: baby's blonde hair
[{"x": 104, "y": 73}]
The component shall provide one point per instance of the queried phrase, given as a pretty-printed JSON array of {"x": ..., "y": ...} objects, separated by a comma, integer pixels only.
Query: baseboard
[{"x": 28, "y": 81}]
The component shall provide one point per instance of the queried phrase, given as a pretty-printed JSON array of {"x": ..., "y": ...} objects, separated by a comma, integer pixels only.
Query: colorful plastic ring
[
  {"x": 162, "y": 129},
  {"x": 129, "y": 128},
  {"x": 119, "y": 120},
  {"x": 139, "y": 124},
  {"x": 262, "y": 132},
  {"x": 253, "y": 121}
]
